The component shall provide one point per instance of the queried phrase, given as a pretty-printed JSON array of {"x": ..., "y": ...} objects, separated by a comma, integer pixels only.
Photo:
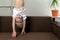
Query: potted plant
[{"x": 54, "y": 5}]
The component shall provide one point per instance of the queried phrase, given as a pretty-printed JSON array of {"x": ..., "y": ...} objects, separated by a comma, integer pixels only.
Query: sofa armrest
[{"x": 56, "y": 28}]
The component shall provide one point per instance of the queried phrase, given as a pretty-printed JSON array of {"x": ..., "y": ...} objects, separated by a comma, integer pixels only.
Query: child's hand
[
  {"x": 23, "y": 32},
  {"x": 14, "y": 34}
]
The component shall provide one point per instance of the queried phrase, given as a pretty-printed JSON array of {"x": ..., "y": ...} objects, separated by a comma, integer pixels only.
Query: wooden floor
[{"x": 30, "y": 36}]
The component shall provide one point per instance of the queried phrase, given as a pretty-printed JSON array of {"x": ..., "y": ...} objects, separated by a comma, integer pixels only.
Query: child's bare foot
[{"x": 14, "y": 34}]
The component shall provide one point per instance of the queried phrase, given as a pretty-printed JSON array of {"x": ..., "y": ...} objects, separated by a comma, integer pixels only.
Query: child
[{"x": 18, "y": 16}]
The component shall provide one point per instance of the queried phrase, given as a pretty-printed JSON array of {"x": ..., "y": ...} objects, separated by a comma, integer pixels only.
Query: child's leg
[{"x": 18, "y": 3}]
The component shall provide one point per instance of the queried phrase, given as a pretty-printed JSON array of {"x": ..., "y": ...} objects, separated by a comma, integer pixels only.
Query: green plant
[{"x": 54, "y": 3}]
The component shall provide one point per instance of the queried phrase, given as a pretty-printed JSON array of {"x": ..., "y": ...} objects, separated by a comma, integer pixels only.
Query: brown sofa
[
  {"x": 33, "y": 24},
  {"x": 37, "y": 28},
  {"x": 56, "y": 28}
]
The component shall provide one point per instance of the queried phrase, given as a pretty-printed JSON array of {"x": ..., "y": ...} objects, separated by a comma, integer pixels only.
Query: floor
[{"x": 30, "y": 36}]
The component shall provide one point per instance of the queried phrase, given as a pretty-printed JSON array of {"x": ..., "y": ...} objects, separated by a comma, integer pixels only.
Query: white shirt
[{"x": 17, "y": 11}]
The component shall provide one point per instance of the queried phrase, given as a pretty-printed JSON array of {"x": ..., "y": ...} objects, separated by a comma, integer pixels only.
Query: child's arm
[
  {"x": 24, "y": 24},
  {"x": 13, "y": 27},
  {"x": 13, "y": 24}
]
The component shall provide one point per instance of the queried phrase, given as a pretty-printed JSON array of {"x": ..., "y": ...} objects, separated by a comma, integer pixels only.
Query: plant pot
[{"x": 54, "y": 13}]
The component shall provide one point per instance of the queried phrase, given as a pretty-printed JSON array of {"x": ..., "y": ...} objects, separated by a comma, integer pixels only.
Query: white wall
[
  {"x": 5, "y": 11},
  {"x": 5, "y": 2},
  {"x": 38, "y": 7},
  {"x": 34, "y": 8}
]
